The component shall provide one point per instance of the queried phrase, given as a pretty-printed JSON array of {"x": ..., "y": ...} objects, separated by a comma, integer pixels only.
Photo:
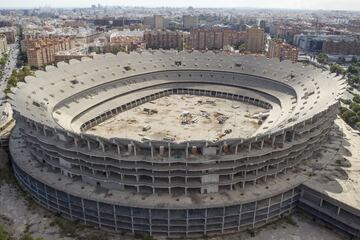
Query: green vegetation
[
  {"x": 336, "y": 68},
  {"x": 3, "y": 60},
  {"x": 351, "y": 111},
  {"x": 322, "y": 58},
  {"x": 17, "y": 76},
  {"x": 4, "y": 235},
  {"x": 27, "y": 236}
]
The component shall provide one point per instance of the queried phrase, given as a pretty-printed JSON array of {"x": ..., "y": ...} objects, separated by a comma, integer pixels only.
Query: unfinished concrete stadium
[{"x": 176, "y": 143}]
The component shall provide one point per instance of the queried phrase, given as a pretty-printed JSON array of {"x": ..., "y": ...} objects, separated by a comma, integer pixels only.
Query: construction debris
[
  {"x": 150, "y": 111},
  {"x": 221, "y": 118},
  {"x": 204, "y": 114},
  {"x": 146, "y": 128},
  {"x": 228, "y": 131}
]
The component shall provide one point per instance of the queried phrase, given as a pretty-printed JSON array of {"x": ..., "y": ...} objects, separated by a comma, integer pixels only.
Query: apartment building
[
  {"x": 3, "y": 44},
  {"x": 10, "y": 33},
  {"x": 255, "y": 40},
  {"x": 215, "y": 38},
  {"x": 41, "y": 52},
  {"x": 190, "y": 22},
  {"x": 164, "y": 39},
  {"x": 282, "y": 50}
]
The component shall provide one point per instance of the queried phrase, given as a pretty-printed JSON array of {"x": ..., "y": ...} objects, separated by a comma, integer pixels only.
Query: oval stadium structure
[{"x": 170, "y": 143}]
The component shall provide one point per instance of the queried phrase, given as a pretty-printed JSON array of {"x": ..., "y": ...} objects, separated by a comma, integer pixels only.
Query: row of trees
[
  {"x": 17, "y": 76},
  {"x": 351, "y": 113}
]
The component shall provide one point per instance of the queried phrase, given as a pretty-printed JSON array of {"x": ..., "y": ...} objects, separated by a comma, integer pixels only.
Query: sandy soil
[{"x": 163, "y": 119}]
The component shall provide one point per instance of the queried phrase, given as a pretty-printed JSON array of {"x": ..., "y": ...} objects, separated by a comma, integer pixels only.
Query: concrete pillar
[
  {"x": 273, "y": 141},
  {"x": 187, "y": 151},
  {"x": 236, "y": 148},
  {"x": 150, "y": 222},
  {"x": 262, "y": 144},
  {"x": 115, "y": 218},
  {"x": 169, "y": 150},
  {"x": 268, "y": 210},
  {"x": 134, "y": 148},
  {"x": 293, "y": 136},
  {"x": 132, "y": 220},
  {"x": 249, "y": 147},
  {"x": 83, "y": 209},
  {"x": 89, "y": 145},
  {"x": 101, "y": 143},
  {"x": 240, "y": 217},
  {"x": 118, "y": 149},
  {"x": 254, "y": 214},
  {"x": 98, "y": 214}
]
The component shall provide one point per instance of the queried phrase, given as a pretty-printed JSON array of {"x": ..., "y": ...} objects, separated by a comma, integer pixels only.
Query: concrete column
[
  {"x": 98, "y": 214},
  {"x": 83, "y": 209},
  {"x": 69, "y": 205},
  {"x": 132, "y": 220},
  {"x": 168, "y": 218},
  {"x": 293, "y": 136},
  {"x": 75, "y": 142},
  {"x": 205, "y": 222},
  {"x": 223, "y": 221},
  {"x": 152, "y": 150},
  {"x": 187, "y": 151},
  {"x": 101, "y": 143},
  {"x": 150, "y": 222},
  {"x": 115, "y": 219},
  {"x": 236, "y": 148},
  {"x": 249, "y": 146},
  {"x": 134, "y": 148},
  {"x": 268, "y": 210},
  {"x": 273, "y": 141},
  {"x": 169, "y": 149},
  {"x": 118, "y": 149},
  {"x": 262, "y": 144},
  {"x": 254, "y": 214},
  {"x": 89, "y": 145},
  {"x": 240, "y": 217}
]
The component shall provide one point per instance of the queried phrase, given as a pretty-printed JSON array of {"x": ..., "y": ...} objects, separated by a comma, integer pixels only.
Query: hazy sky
[{"x": 293, "y": 4}]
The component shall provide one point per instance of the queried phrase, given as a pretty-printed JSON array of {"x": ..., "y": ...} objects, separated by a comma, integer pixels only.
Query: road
[{"x": 9, "y": 66}]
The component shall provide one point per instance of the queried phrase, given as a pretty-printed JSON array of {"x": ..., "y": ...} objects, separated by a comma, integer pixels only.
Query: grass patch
[
  {"x": 27, "y": 236},
  {"x": 4, "y": 235}
]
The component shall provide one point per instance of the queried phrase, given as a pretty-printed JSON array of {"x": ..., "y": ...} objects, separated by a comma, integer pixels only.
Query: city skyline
[{"x": 352, "y": 5}]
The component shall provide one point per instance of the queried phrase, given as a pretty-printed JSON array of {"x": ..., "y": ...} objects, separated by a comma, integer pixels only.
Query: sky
[{"x": 287, "y": 4}]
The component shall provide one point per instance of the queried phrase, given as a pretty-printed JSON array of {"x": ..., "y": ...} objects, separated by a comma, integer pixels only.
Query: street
[{"x": 9, "y": 66}]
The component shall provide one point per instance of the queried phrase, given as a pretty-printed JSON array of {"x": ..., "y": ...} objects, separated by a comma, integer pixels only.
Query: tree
[
  {"x": 322, "y": 58},
  {"x": 336, "y": 68},
  {"x": 355, "y": 107},
  {"x": 356, "y": 98},
  {"x": 347, "y": 115},
  {"x": 353, "y": 69},
  {"x": 17, "y": 76}
]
